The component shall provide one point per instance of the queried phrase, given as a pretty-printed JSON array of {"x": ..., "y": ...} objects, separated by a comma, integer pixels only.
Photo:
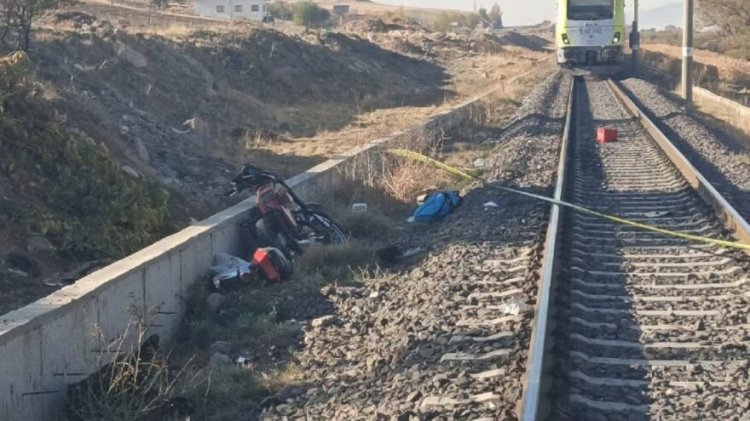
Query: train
[{"x": 591, "y": 35}]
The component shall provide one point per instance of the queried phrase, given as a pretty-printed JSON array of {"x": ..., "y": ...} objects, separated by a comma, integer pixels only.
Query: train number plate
[{"x": 588, "y": 30}]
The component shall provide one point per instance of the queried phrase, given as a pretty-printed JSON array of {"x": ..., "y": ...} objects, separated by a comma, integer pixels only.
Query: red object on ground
[
  {"x": 605, "y": 135},
  {"x": 262, "y": 258}
]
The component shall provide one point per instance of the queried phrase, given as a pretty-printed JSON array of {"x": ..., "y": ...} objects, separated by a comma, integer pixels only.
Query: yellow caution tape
[{"x": 422, "y": 158}]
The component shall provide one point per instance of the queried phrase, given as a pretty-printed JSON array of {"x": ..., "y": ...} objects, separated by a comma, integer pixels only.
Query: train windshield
[{"x": 590, "y": 9}]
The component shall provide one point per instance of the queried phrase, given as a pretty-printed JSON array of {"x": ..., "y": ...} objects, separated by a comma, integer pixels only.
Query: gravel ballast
[
  {"x": 647, "y": 326},
  {"x": 446, "y": 337},
  {"x": 721, "y": 160}
]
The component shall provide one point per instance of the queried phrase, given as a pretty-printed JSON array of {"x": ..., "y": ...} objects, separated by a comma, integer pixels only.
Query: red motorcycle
[{"x": 282, "y": 220}]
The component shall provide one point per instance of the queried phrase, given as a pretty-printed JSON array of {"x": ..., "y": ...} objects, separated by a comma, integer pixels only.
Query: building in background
[{"x": 232, "y": 9}]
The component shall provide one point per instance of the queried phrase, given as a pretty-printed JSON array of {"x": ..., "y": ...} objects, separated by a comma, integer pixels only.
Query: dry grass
[
  {"x": 227, "y": 394},
  {"x": 407, "y": 179},
  {"x": 372, "y": 226},
  {"x": 337, "y": 263},
  {"x": 137, "y": 385},
  {"x": 730, "y": 69},
  {"x": 744, "y": 158},
  {"x": 175, "y": 31},
  {"x": 279, "y": 378},
  {"x": 371, "y": 8},
  {"x": 235, "y": 392}
]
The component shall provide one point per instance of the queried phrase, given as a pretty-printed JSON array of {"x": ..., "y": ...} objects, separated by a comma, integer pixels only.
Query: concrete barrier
[
  {"x": 64, "y": 337},
  {"x": 723, "y": 108},
  {"x": 727, "y": 109},
  {"x": 704, "y": 75}
]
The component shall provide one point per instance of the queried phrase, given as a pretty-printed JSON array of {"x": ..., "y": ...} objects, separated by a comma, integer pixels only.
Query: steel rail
[
  {"x": 723, "y": 209},
  {"x": 531, "y": 401}
]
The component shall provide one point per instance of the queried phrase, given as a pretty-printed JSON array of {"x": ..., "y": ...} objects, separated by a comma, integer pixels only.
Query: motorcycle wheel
[
  {"x": 271, "y": 233},
  {"x": 324, "y": 226},
  {"x": 281, "y": 263}
]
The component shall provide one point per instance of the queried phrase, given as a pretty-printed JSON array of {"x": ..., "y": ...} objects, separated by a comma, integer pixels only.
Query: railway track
[{"x": 631, "y": 324}]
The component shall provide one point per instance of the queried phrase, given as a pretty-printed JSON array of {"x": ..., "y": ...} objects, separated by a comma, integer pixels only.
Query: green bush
[
  {"x": 68, "y": 187},
  {"x": 309, "y": 14},
  {"x": 281, "y": 10},
  {"x": 444, "y": 20}
]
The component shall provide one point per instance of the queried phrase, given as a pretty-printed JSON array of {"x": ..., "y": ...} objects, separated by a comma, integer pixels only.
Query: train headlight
[
  {"x": 616, "y": 38},
  {"x": 565, "y": 39}
]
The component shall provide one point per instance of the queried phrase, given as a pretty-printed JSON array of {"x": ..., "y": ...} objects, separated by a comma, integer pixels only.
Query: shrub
[
  {"x": 445, "y": 20},
  {"x": 18, "y": 16},
  {"x": 280, "y": 10},
  {"x": 309, "y": 14},
  {"x": 68, "y": 186},
  {"x": 137, "y": 386}
]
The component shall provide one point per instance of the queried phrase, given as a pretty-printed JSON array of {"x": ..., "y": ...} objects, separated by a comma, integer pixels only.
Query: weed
[
  {"x": 369, "y": 226},
  {"x": 254, "y": 324},
  {"x": 277, "y": 378},
  {"x": 337, "y": 262},
  {"x": 196, "y": 301},
  {"x": 406, "y": 179},
  {"x": 208, "y": 331},
  {"x": 227, "y": 394},
  {"x": 137, "y": 385}
]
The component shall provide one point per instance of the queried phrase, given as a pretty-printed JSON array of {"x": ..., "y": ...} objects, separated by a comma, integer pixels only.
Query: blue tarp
[{"x": 437, "y": 206}]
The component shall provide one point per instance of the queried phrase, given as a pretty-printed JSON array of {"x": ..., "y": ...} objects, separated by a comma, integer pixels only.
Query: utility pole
[
  {"x": 687, "y": 54},
  {"x": 635, "y": 37}
]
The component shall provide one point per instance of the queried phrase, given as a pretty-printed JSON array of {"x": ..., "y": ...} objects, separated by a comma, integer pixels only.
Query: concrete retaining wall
[
  {"x": 61, "y": 339},
  {"x": 730, "y": 111},
  {"x": 721, "y": 107},
  {"x": 704, "y": 75}
]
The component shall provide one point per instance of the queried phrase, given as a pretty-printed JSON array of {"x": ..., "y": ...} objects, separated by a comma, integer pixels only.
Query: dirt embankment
[
  {"x": 142, "y": 132},
  {"x": 170, "y": 102},
  {"x": 169, "y": 115},
  {"x": 62, "y": 198},
  {"x": 727, "y": 76}
]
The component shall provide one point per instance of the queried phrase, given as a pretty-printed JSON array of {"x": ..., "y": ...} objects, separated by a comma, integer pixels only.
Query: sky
[{"x": 516, "y": 12}]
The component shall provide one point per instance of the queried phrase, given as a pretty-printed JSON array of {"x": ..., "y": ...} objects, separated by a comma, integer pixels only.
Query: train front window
[{"x": 590, "y": 9}]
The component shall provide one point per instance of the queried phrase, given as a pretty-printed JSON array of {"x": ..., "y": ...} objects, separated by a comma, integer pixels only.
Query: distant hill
[{"x": 669, "y": 14}]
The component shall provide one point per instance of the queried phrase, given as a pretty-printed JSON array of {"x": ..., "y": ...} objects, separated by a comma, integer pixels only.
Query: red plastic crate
[{"x": 605, "y": 135}]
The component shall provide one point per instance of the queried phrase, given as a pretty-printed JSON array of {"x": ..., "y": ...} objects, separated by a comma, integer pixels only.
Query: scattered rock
[
  {"x": 22, "y": 262},
  {"x": 414, "y": 396},
  {"x": 324, "y": 321},
  {"x": 219, "y": 360},
  {"x": 215, "y": 301},
  {"x": 407, "y": 335},
  {"x": 328, "y": 290},
  {"x": 16, "y": 273},
  {"x": 220, "y": 347},
  {"x": 140, "y": 148},
  {"x": 130, "y": 171},
  {"x": 39, "y": 244},
  {"x": 131, "y": 56},
  {"x": 408, "y": 416},
  {"x": 77, "y": 273}
]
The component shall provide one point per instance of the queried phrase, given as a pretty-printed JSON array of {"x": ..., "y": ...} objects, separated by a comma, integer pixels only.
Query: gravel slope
[
  {"x": 715, "y": 154},
  {"x": 447, "y": 337}
]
